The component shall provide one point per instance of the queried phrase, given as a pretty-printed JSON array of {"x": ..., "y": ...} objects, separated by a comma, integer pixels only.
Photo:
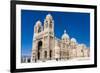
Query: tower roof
[
  {"x": 49, "y": 16},
  {"x": 38, "y": 23}
]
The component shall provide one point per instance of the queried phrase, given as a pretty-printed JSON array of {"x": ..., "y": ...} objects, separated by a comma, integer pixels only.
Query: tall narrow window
[
  {"x": 50, "y": 24},
  {"x": 39, "y": 30},
  {"x": 46, "y": 24},
  {"x": 45, "y": 54}
]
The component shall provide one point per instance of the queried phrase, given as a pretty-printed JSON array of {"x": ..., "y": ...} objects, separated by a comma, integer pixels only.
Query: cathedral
[{"x": 46, "y": 46}]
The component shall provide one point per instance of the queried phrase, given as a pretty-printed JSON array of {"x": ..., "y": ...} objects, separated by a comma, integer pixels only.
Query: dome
[
  {"x": 49, "y": 16},
  {"x": 83, "y": 45},
  {"x": 73, "y": 40},
  {"x": 65, "y": 35},
  {"x": 38, "y": 23}
]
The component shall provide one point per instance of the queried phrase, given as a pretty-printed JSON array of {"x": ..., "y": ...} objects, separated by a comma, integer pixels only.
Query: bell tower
[
  {"x": 37, "y": 41},
  {"x": 43, "y": 40},
  {"x": 49, "y": 35}
]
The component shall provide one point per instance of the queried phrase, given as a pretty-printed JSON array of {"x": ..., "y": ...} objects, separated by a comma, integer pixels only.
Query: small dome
[
  {"x": 83, "y": 45},
  {"x": 73, "y": 40},
  {"x": 65, "y": 35},
  {"x": 49, "y": 16},
  {"x": 38, "y": 23}
]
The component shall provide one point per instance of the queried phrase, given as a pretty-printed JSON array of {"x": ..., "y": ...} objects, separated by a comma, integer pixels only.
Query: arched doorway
[
  {"x": 50, "y": 54},
  {"x": 45, "y": 54},
  {"x": 39, "y": 45},
  {"x": 39, "y": 48},
  {"x": 38, "y": 55}
]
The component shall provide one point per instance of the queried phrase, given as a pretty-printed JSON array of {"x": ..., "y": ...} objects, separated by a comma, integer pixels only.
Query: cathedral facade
[{"x": 46, "y": 46}]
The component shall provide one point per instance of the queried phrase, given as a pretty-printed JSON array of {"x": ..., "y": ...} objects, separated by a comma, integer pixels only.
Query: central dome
[{"x": 65, "y": 35}]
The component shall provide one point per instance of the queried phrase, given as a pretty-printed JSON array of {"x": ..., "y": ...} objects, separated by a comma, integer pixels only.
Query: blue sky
[{"x": 76, "y": 24}]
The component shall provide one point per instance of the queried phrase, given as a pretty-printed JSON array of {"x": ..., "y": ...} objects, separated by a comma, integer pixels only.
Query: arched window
[
  {"x": 50, "y": 24},
  {"x": 39, "y": 30},
  {"x": 82, "y": 50},
  {"x": 46, "y": 24}
]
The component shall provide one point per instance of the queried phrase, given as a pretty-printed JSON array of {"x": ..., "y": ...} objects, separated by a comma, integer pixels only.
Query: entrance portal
[{"x": 39, "y": 48}]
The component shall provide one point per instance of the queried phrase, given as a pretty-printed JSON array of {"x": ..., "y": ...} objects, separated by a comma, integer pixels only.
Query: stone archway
[
  {"x": 45, "y": 54},
  {"x": 39, "y": 48},
  {"x": 50, "y": 54}
]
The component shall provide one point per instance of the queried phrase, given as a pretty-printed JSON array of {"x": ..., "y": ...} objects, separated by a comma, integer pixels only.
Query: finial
[
  {"x": 64, "y": 31},
  {"x": 48, "y": 14}
]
